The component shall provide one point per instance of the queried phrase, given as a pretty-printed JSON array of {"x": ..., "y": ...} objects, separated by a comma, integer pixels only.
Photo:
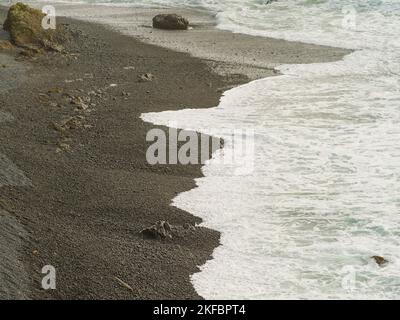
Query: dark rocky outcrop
[
  {"x": 24, "y": 25},
  {"x": 170, "y": 22}
]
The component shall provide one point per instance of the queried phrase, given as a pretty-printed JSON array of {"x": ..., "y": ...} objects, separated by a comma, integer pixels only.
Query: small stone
[
  {"x": 147, "y": 77},
  {"x": 55, "y": 90},
  {"x": 380, "y": 261},
  {"x": 72, "y": 123},
  {"x": 57, "y": 127},
  {"x": 79, "y": 102},
  {"x": 64, "y": 146}
]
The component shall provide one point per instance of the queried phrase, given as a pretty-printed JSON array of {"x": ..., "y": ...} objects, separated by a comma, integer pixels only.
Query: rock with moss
[
  {"x": 170, "y": 22},
  {"x": 24, "y": 25}
]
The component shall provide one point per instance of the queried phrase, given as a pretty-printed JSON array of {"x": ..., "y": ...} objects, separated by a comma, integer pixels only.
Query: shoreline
[
  {"x": 225, "y": 52},
  {"x": 89, "y": 202}
]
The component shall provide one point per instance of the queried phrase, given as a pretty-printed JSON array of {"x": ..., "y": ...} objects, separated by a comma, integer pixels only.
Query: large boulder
[
  {"x": 170, "y": 22},
  {"x": 25, "y": 27}
]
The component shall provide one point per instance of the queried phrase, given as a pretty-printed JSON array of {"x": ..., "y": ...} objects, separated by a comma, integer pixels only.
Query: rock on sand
[
  {"x": 170, "y": 22},
  {"x": 25, "y": 27}
]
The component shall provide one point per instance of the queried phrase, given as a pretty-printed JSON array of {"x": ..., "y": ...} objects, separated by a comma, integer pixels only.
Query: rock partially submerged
[
  {"x": 170, "y": 22},
  {"x": 380, "y": 261},
  {"x": 24, "y": 25}
]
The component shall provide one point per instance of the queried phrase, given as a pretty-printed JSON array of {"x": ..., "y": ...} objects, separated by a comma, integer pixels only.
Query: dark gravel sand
[{"x": 93, "y": 190}]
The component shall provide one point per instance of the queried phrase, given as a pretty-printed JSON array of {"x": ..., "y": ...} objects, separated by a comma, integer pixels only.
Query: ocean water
[
  {"x": 325, "y": 192},
  {"x": 324, "y": 195}
]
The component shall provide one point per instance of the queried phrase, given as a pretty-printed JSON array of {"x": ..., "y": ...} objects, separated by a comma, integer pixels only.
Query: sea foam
[{"x": 323, "y": 197}]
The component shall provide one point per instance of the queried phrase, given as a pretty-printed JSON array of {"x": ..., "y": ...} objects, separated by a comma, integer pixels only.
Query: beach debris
[
  {"x": 43, "y": 96},
  {"x": 53, "y": 46},
  {"x": 96, "y": 93},
  {"x": 73, "y": 80},
  {"x": 124, "y": 284},
  {"x": 188, "y": 226},
  {"x": 29, "y": 52},
  {"x": 24, "y": 25},
  {"x": 72, "y": 122},
  {"x": 380, "y": 261},
  {"x": 5, "y": 45},
  {"x": 64, "y": 146},
  {"x": 147, "y": 77},
  {"x": 55, "y": 90},
  {"x": 79, "y": 102},
  {"x": 73, "y": 56},
  {"x": 129, "y": 68},
  {"x": 170, "y": 22},
  {"x": 69, "y": 123},
  {"x": 160, "y": 230},
  {"x": 57, "y": 127}
]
